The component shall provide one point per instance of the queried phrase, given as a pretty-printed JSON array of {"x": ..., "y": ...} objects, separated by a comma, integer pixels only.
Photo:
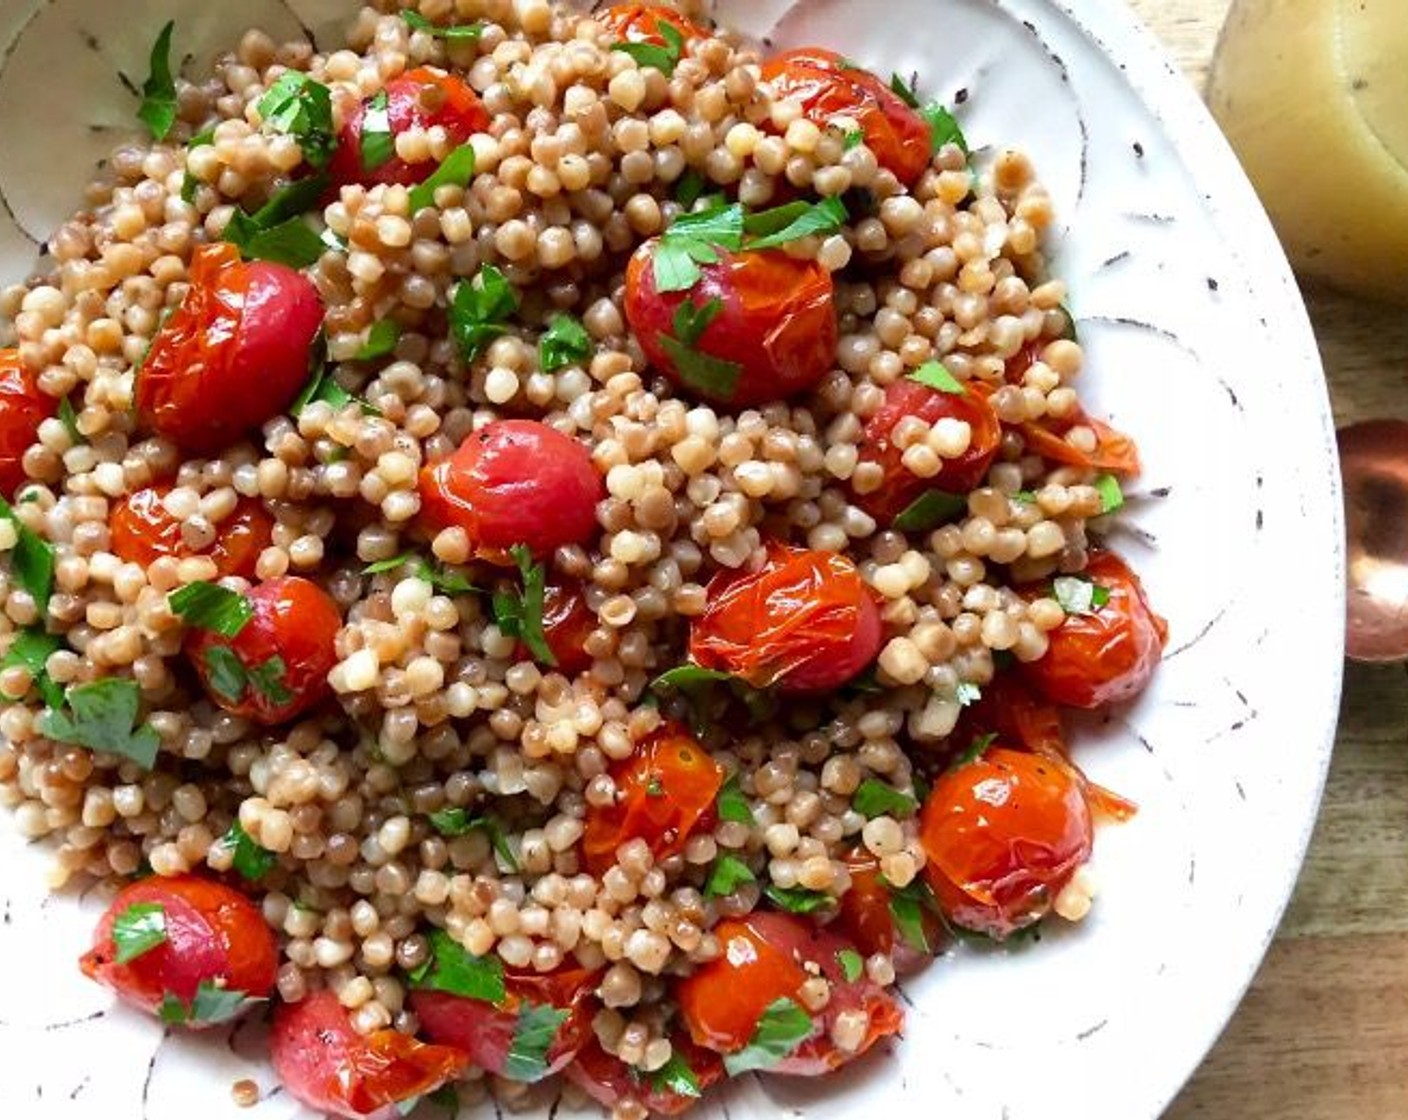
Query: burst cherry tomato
[
  {"x": 182, "y": 937},
  {"x": 608, "y": 1080},
  {"x": 23, "y": 407},
  {"x": 277, "y": 666},
  {"x": 866, "y": 917},
  {"x": 488, "y": 1032},
  {"x": 567, "y": 623},
  {"x": 763, "y": 958},
  {"x": 1106, "y": 654},
  {"x": 420, "y": 98},
  {"x": 325, "y": 1064},
  {"x": 772, "y": 336},
  {"x": 1003, "y": 835},
  {"x": 234, "y": 354},
  {"x": 901, "y": 486},
  {"x": 640, "y": 23},
  {"x": 515, "y": 482},
  {"x": 827, "y": 87},
  {"x": 663, "y": 793},
  {"x": 804, "y": 621},
  {"x": 143, "y": 531}
]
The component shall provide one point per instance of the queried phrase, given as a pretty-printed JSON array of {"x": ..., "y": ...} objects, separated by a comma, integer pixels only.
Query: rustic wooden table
[{"x": 1323, "y": 1033}]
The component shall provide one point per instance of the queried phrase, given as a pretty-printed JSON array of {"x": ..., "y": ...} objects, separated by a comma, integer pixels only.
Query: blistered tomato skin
[
  {"x": 640, "y": 23},
  {"x": 776, "y": 323},
  {"x": 420, "y": 98},
  {"x": 234, "y": 354},
  {"x": 142, "y": 531},
  {"x": 287, "y": 650},
  {"x": 805, "y": 621},
  {"x": 325, "y": 1064},
  {"x": 901, "y": 487},
  {"x": 763, "y": 957},
  {"x": 608, "y": 1080},
  {"x": 1106, "y": 655},
  {"x": 486, "y": 1031},
  {"x": 665, "y": 791},
  {"x": 1003, "y": 835},
  {"x": 213, "y": 934},
  {"x": 515, "y": 482},
  {"x": 23, "y": 407},
  {"x": 827, "y": 87}
]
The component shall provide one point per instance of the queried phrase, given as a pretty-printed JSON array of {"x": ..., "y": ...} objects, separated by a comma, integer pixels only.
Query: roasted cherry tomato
[
  {"x": 567, "y": 624},
  {"x": 1106, "y": 654},
  {"x": 901, "y": 486},
  {"x": 180, "y": 937},
  {"x": 1003, "y": 835},
  {"x": 1114, "y": 451},
  {"x": 663, "y": 793},
  {"x": 420, "y": 98},
  {"x": 143, "y": 531},
  {"x": 277, "y": 666},
  {"x": 488, "y": 1032},
  {"x": 763, "y": 958},
  {"x": 640, "y": 23},
  {"x": 325, "y": 1064},
  {"x": 233, "y": 355},
  {"x": 867, "y": 917},
  {"x": 827, "y": 87},
  {"x": 805, "y": 621},
  {"x": 23, "y": 407},
  {"x": 1011, "y": 711},
  {"x": 772, "y": 333},
  {"x": 666, "y": 1092},
  {"x": 515, "y": 482}
]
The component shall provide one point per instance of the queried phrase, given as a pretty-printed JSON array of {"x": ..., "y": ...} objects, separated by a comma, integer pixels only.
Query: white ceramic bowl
[{"x": 1198, "y": 345}]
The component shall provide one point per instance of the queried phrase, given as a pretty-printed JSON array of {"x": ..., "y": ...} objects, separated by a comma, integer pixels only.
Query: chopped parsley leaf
[
  {"x": 452, "y": 968},
  {"x": 690, "y": 187},
  {"x": 676, "y": 1077},
  {"x": 382, "y": 337},
  {"x": 875, "y": 799},
  {"x": 930, "y": 510},
  {"x": 781, "y": 1028},
  {"x": 137, "y": 930},
  {"x": 211, "y": 1005},
  {"x": 692, "y": 240},
  {"x": 225, "y": 673},
  {"x": 251, "y": 860},
  {"x": 726, "y": 876},
  {"x": 31, "y": 560},
  {"x": 267, "y": 679},
  {"x": 208, "y": 606},
  {"x": 1078, "y": 595},
  {"x": 853, "y": 139},
  {"x": 457, "y": 33},
  {"x": 533, "y": 1037},
  {"x": 456, "y": 170},
  {"x": 852, "y": 964},
  {"x": 797, "y": 900},
  {"x": 277, "y": 231},
  {"x": 565, "y": 342},
  {"x": 456, "y": 822},
  {"x": 378, "y": 145},
  {"x": 102, "y": 716},
  {"x": 446, "y": 582},
  {"x": 31, "y": 649},
  {"x": 158, "y": 108},
  {"x": 936, "y": 376},
  {"x": 975, "y": 750},
  {"x": 732, "y": 803},
  {"x": 479, "y": 311},
  {"x": 520, "y": 614},
  {"x": 1111, "y": 496},
  {"x": 298, "y": 106},
  {"x": 943, "y": 127},
  {"x": 663, "y": 58},
  {"x": 69, "y": 418},
  {"x": 705, "y": 372},
  {"x": 794, "y": 221},
  {"x": 907, "y": 907},
  {"x": 189, "y": 183}
]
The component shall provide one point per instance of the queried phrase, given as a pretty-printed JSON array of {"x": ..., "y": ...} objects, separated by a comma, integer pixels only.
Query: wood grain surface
[{"x": 1323, "y": 1033}]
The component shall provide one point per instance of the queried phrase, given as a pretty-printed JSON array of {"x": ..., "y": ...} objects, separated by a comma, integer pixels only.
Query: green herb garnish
[
  {"x": 31, "y": 648},
  {"x": 675, "y": 1076},
  {"x": 102, "y": 716},
  {"x": 189, "y": 183},
  {"x": 732, "y": 803},
  {"x": 930, "y": 510},
  {"x": 533, "y": 1037},
  {"x": 251, "y": 860},
  {"x": 1078, "y": 595},
  {"x": 663, "y": 58},
  {"x": 378, "y": 145},
  {"x": 137, "y": 930},
  {"x": 709, "y": 374},
  {"x": 277, "y": 231},
  {"x": 692, "y": 240},
  {"x": 381, "y": 340},
  {"x": 907, "y": 908},
  {"x": 1111, "y": 496},
  {"x": 875, "y": 799},
  {"x": 479, "y": 311},
  {"x": 69, "y": 418},
  {"x": 519, "y": 614},
  {"x": 446, "y": 582},
  {"x": 794, "y": 221},
  {"x": 967, "y": 694},
  {"x": 565, "y": 342},
  {"x": 943, "y": 127},
  {"x": 268, "y": 679},
  {"x": 936, "y": 376},
  {"x": 726, "y": 876},
  {"x": 211, "y": 1005},
  {"x": 456, "y": 170},
  {"x": 690, "y": 187},
  {"x": 852, "y": 964},
  {"x": 208, "y": 606},
  {"x": 158, "y": 108},
  {"x": 797, "y": 900},
  {"x": 458, "y": 822},
  {"x": 458, "y": 33},
  {"x": 782, "y": 1027},
  {"x": 452, "y": 968},
  {"x": 31, "y": 560},
  {"x": 298, "y": 106},
  {"x": 225, "y": 673},
  {"x": 976, "y": 749}
]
